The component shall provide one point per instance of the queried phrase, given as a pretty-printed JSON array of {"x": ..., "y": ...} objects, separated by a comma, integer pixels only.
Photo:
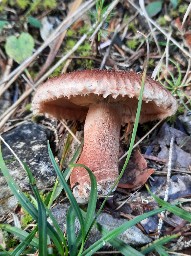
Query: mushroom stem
[{"x": 100, "y": 151}]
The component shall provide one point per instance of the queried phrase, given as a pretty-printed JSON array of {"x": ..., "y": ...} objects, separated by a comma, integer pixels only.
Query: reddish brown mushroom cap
[
  {"x": 70, "y": 95},
  {"x": 105, "y": 99}
]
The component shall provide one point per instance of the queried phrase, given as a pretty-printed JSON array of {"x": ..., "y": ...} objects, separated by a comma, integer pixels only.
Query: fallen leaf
[
  {"x": 178, "y": 24},
  {"x": 181, "y": 154},
  {"x": 154, "y": 8},
  {"x": 136, "y": 174},
  {"x": 187, "y": 38},
  {"x": 19, "y": 48},
  {"x": 141, "y": 179}
]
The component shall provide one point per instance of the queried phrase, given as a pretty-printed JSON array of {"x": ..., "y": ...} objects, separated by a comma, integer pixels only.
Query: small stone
[
  {"x": 132, "y": 236},
  {"x": 29, "y": 142}
]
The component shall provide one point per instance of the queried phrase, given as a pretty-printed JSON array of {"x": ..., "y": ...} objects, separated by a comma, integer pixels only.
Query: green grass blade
[
  {"x": 56, "y": 239},
  {"x": 161, "y": 251},
  {"x": 69, "y": 193},
  {"x": 89, "y": 219},
  {"x": 135, "y": 127},
  {"x": 118, "y": 244},
  {"x": 92, "y": 202},
  {"x": 21, "y": 247},
  {"x": 57, "y": 189},
  {"x": 124, "y": 248},
  {"x": 58, "y": 231},
  {"x": 68, "y": 170},
  {"x": 4, "y": 253},
  {"x": 27, "y": 205},
  {"x": 172, "y": 208},
  {"x": 21, "y": 234},
  {"x": 90, "y": 214},
  {"x": 70, "y": 221},
  {"x": 24, "y": 201},
  {"x": 116, "y": 232},
  {"x": 159, "y": 242},
  {"x": 42, "y": 218}
]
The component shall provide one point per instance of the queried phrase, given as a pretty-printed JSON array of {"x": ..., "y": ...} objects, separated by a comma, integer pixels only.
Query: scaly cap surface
[{"x": 69, "y": 95}]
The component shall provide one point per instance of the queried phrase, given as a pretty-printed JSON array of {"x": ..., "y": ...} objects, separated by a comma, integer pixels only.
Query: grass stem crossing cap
[{"x": 105, "y": 100}]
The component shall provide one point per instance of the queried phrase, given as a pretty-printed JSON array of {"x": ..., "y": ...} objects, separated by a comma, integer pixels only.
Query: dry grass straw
[{"x": 141, "y": 12}]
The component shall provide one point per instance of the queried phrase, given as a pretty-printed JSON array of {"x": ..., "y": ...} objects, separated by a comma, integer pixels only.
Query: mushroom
[{"x": 105, "y": 100}]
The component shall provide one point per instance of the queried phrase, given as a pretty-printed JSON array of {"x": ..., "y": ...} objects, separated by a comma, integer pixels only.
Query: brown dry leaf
[
  {"x": 187, "y": 38},
  {"x": 178, "y": 24},
  {"x": 136, "y": 174}
]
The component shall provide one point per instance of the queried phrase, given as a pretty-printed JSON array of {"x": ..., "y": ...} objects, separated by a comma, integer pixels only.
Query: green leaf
[
  {"x": 174, "y": 3},
  {"x": 19, "y": 49},
  {"x": 154, "y": 8},
  {"x": 3, "y": 23},
  {"x": 34, "y": 22}
]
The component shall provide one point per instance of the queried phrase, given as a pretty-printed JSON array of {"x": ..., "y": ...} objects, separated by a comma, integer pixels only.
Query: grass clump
[
  {"x": 174, "y": 82},
  {"x": 48, "y": 239}
]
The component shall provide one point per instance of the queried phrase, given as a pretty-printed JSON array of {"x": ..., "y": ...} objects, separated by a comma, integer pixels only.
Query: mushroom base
[{"x": 100, "y": 151}]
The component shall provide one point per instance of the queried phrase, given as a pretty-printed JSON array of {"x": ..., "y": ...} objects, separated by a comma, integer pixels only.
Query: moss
[
  {"x": 85, "y": 63},
  {"x": 181, "y": 11},
  {"x": 151, "y": 63},
  {"x": 180, "y": 111},
  {"x": 132, "y": 27},
  {"x": 50, "y": 4},
  {"x": 162, "y": 21},
  {"x": 182, "y": 8},
  {"x": 84, "y": 29},
  {"x": 78, "y": 32},
  {"x": 22, "y": 3},
  {"x": 132, "y": 44},
  {"x": 174, "y": 13},
  {"x": 28, "y": 107},
  {"x": 70, "y": 43},
  {"x": 10, "y": 241},
  {"x": 57, "y": 71},
  {"x": 26, "y": 219},
  {"x": 84, "y": 49},
  {"x": 70, "y": 32},
  {"x": 32, "y": 6}
]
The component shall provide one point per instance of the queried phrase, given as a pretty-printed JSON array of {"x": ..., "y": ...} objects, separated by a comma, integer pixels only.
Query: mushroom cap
[{"x": 70, "y": 95}]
